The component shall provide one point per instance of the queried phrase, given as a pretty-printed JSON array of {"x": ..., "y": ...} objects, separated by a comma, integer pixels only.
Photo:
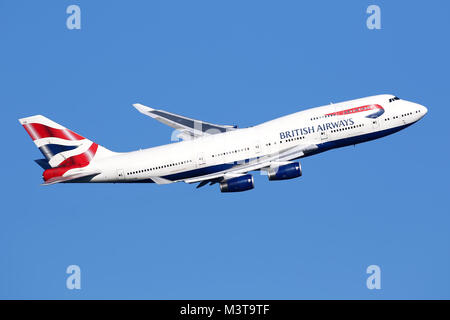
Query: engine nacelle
[
  {"x": 287, "y": 171},
  {"x": 242, "y": 183}
]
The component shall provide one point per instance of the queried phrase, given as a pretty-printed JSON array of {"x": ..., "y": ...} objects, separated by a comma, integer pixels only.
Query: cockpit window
[{"x": 393, "y": 99}]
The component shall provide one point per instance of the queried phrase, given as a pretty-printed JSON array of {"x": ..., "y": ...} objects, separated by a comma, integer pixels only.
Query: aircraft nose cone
[{"x": 424, "y": 110}]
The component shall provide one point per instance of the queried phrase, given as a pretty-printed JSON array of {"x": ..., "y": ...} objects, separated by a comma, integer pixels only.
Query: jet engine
[
  {"x": 238, "y": 184},
  {"x": 284, "y": 172}
]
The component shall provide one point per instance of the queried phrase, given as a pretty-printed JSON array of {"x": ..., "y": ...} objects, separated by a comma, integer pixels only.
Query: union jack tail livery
[{"x": 67, "y": 154}]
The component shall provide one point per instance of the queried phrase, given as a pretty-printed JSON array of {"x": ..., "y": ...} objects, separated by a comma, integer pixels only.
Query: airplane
[{"x": 222, "y": 154}]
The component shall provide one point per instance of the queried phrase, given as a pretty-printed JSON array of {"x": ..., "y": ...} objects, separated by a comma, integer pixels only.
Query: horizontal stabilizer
[
  {"x": 71, "y": 177},
  {"x": 43, "y": 163}
]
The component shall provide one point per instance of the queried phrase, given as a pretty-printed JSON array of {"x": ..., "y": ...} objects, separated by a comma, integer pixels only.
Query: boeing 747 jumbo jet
[{"x": 212, "y": 153}]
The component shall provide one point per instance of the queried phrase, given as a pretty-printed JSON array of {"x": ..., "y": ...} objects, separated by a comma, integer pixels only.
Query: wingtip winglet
[{"x": 141, "y": 108}]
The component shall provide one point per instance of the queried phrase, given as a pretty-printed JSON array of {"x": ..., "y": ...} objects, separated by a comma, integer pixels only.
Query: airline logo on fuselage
[
  {"x": 379, "y": 110},
  {"x": 320, "y": 127}
]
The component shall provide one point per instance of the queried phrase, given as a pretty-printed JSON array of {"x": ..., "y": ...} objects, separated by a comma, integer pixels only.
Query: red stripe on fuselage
[
  {"x": 39, "y": 131},
  {"x": 356, "y": 110}
]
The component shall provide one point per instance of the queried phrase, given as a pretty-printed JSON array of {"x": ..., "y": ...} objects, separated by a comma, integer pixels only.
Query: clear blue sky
[{"x": 233, "y": 62}]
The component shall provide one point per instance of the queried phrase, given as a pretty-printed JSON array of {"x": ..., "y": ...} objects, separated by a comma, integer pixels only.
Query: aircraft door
[
  {"x": 323, "y": 135},
  {"x": 201, "y": 161},
  {"x": 258, "y": 147},
  {"x": 375, "y": 124},
  {"x": 120, "y": 174}
]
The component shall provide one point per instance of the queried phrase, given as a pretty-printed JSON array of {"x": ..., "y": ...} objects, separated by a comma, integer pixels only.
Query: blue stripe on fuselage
[{"x": 355, "y": 140}]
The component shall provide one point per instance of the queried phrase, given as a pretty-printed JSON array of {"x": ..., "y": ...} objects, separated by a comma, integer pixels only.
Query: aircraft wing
[
  {"x": 189, "y": 128},
  {"x": 70, "y": 177},
  {"x": 260, "y": 163}
]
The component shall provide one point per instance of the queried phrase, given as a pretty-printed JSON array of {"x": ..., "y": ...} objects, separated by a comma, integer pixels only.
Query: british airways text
[{"x": 320, "y": 127}]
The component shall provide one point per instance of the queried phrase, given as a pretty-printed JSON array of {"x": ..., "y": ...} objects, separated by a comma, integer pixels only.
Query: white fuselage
[{"x": 328, "y": 127}]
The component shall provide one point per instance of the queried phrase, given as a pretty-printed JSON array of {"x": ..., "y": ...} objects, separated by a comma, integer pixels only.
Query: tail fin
[{"x": 61, "y": 147}]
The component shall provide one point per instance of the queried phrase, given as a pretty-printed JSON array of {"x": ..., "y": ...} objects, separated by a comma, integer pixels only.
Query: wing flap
[{"x": 159, "y": 180}]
